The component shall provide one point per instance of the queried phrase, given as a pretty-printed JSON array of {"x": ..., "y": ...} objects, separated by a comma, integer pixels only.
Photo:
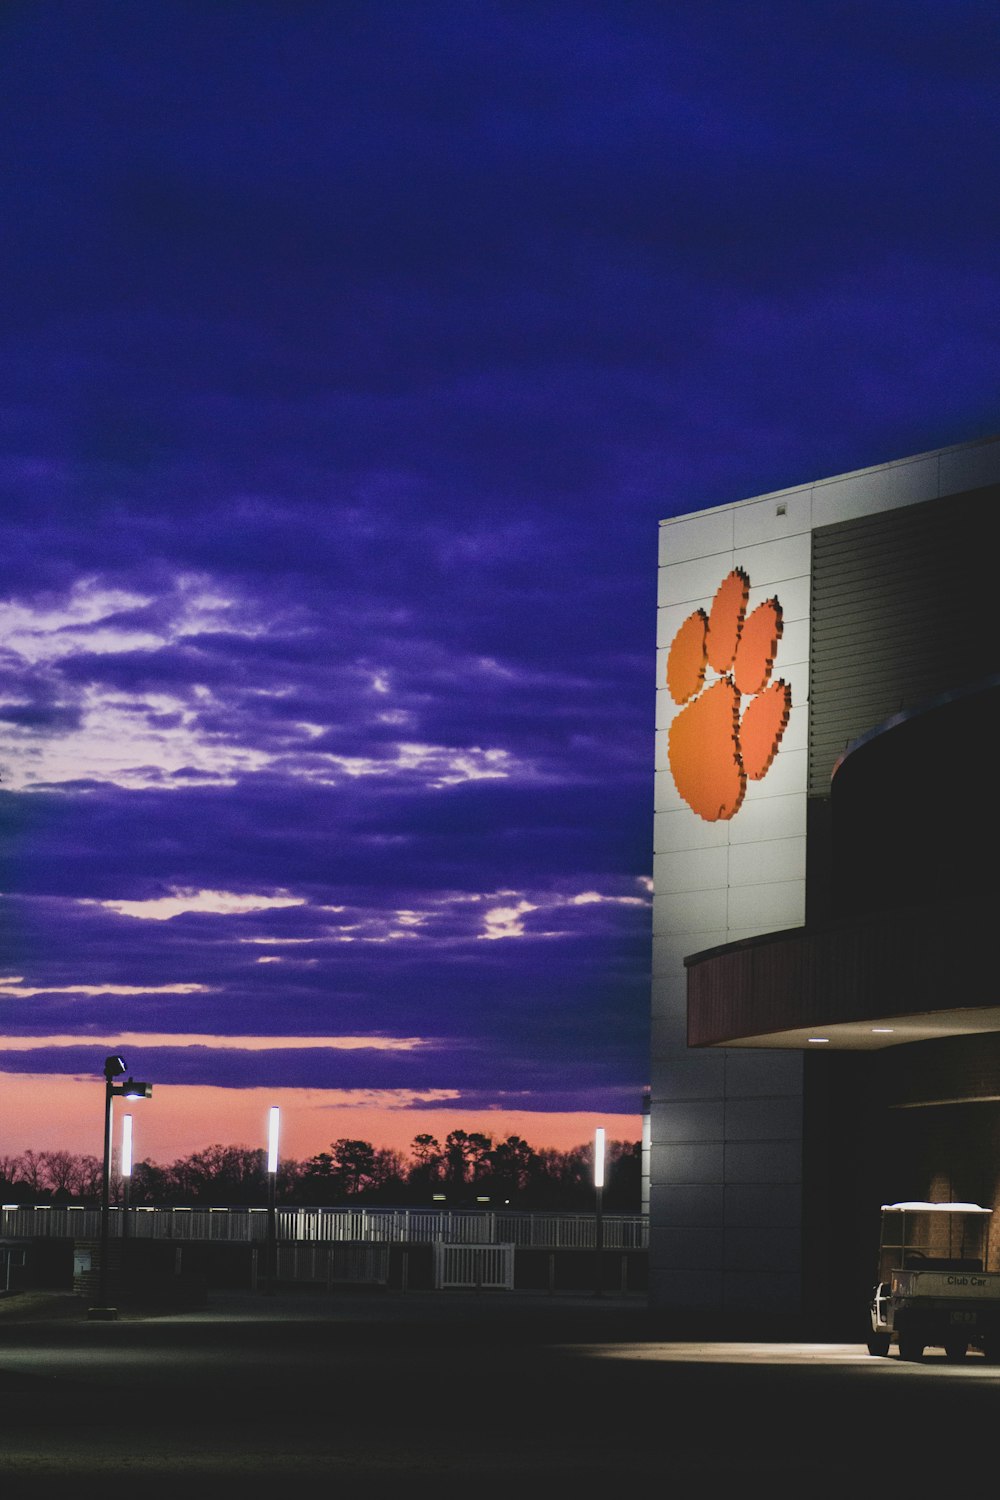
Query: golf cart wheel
[
  {"x": 956, "y": 1348},
  {"x": 878, "y": 1344},
  {"x": 911, "y": 1349}
]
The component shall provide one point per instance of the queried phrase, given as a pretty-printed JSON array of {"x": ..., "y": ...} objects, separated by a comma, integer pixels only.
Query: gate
[{"x": 479, "y": 1266}]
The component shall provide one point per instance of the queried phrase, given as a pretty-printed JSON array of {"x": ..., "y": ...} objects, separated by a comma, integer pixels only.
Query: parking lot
[{"x": 490, "y": 1393}]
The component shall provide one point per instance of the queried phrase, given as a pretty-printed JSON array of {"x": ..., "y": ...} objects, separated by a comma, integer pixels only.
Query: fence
[
  {"x": 489, "y": 1267},
  {"x": 330, "y": 1265},
  {"x": 389, "y": 1226}
]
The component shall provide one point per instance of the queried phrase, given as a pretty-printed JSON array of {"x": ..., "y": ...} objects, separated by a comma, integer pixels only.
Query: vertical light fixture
[
  {"x": 646, "y": 1149},
  {"x": 273, "y": 1125},
  {"x": 599, "y": 1209},
  {"x": 273, "y": 1128},
  {"x": 126, "y": 1169}
]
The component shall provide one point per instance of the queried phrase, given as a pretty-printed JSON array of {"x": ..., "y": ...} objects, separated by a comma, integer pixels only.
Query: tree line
[{"x": 467, "y": 1170}]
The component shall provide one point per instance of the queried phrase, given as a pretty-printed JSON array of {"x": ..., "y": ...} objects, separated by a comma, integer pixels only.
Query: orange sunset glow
[{"x": 46, "y": 1112}]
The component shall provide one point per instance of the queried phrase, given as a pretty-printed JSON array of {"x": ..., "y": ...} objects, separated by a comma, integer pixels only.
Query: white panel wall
[
  {"x": 725, "y": 1156},
  {"x": 709, "y": 1248}
]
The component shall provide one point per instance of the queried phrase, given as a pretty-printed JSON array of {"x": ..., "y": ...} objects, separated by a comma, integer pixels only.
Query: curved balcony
[{"x": 913, "y": 975}]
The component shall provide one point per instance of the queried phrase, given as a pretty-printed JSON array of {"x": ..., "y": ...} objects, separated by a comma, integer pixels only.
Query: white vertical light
[
  {"x": 272, "y": 1138},
  {"x": 646, "y": 1148},
  {"x": 599, "y": 1157},
  {"x": 126, "y": 1145}
]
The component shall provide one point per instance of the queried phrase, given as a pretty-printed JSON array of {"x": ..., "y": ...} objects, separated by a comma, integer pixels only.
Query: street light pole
[
  {"x": 114, "y": 1067},
  {"x": 599, "y": 1208}
]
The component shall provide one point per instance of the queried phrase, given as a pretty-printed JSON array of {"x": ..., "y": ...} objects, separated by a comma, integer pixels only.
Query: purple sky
[{"x": 351, "y": 354}]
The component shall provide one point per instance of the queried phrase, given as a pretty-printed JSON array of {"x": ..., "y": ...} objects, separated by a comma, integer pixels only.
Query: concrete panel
[
  {"x": 668, "y": 1022},
  {"x": 796, "y": 674},
  {"x": 793, "y": 596},
  {"x": 668, "y": 1037},
  {"x": 751, "y": 1073},
  {"x": 742, "y": 934},
  {"x": 679, "y": 830},
  {"x": 670, "y": 948},
  {"x": 678, "y": 1249},
  {"x": 691, "y": 1120},
  {"x": 761, "y": 1292},
  {"x": 768, "y": 1161},
  {"x": 669, "y": 990},
  {"x": 766, "y": 1248},
  {"x": 796, "y": 735},
  {"x": 698, "y": 1207},
  {"x": 666, "y": 797},
  {"x": 691, "y": 870},
  {"x": 771, "y": 518},
  {"x": 793, "y": 646},
  {"x": 698, "y": 911},
  {"x": 686, "y": 1291},
  {"x": 665, "y": 711},
  {"x": 770, "y": 860},
  {"x": 764, "y": 1119},
  {"x": 770, "y": 907},
  {"x": 667, "y": 619},
  {"x": 787, "y": 774},
  {"x": 777, "y": 1205},
  {"x": 695, "y": 1075},
  {"x": 687, "y": 1163},
  {"x": 695, "y": 582},
  {"x": 669, "y": 1010},
  {"x": 668, "y": 1026},
  {"x": 670, "y": 618},
  {"x": 769, "y": 818},
  {"x": 772, "y": 563},
  {"x": 696, "y": 536},
  {"x": 869, "y": 491}
]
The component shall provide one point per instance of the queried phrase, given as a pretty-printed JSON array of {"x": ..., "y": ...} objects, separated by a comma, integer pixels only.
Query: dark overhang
[{"x": 907, "y": 976}]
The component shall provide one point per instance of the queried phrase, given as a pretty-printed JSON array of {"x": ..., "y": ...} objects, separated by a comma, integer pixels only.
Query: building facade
[{"x": 825, "y": 1017}]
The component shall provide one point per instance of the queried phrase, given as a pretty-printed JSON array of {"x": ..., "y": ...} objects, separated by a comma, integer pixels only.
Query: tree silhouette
[{"x": 511, "y": 1173}]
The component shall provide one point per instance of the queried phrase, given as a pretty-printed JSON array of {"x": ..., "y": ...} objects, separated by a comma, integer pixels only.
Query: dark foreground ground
[{"x": 457, "y": 1394}]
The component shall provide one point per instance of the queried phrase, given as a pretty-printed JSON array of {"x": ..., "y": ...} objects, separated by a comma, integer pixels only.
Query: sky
[{"x": 351, "y": 354}]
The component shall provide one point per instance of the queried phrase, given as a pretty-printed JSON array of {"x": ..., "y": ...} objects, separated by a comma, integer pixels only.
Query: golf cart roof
[{"x": 934, "y": 1208}]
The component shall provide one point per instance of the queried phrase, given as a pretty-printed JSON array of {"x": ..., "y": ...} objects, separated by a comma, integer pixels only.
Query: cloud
[
  {"x": 14, "y": 989},
  {"x": 149, "y": 1041},
  {"x": 213, "y": 903}
]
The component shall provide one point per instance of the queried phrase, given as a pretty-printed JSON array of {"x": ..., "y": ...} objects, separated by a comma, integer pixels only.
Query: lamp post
[
  {"x": 114, "y": 1067},
  {"x": 599, "y": 1207},
  {"x": 273, "y": 1123}
]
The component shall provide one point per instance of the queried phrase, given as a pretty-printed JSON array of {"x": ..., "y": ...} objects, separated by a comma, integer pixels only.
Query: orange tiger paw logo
[{"x": 712, "y": 749}]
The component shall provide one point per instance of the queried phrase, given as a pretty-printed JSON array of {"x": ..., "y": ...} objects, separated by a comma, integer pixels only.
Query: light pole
[
  {"x": 114, "y": 1067},
  {"x": 599, "y": 1207},
  {"x": 273, "y": 1123}
]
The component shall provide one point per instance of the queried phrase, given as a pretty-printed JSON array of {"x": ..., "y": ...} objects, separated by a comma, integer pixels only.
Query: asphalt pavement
[{"x": 469, "y": 1394}]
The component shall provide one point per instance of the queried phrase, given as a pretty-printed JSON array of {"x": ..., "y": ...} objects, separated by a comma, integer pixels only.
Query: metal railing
[
  {"x": 480, "y": 1266},
  {"x": 394, "y": 1226}
]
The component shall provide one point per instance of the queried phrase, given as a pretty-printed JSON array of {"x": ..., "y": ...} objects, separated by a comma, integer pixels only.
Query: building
[{"x": 825, "y": 1011}]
